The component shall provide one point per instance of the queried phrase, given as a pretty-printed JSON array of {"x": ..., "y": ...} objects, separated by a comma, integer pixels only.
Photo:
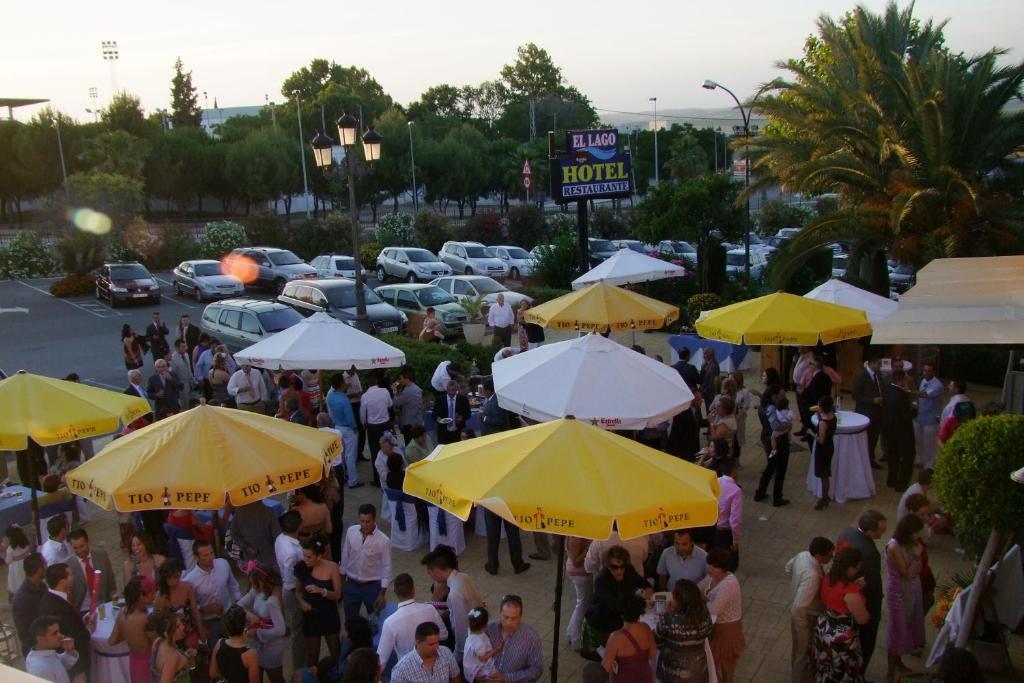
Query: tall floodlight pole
[
  {"x": 657, "y": 174},
  {"x": 412, "y": 167},
  {"x": 302, "y": 151},
  {"x": 108, "y": 48}
]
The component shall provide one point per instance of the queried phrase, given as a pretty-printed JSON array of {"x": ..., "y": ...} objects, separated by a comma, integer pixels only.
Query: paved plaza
[{"x": 770, "y": 537}]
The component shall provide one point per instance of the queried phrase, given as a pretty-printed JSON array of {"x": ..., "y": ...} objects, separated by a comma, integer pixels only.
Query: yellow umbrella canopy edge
[
  {"x": 601, "y": 306},
  {"x": 53, "y": 411},
  {"x": 570, "y": 478},
  {"x": 179, "y": 462},
  {"x": 784, "y": 319}
]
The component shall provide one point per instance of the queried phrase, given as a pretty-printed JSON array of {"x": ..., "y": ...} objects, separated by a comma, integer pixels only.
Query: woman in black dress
[
  {"x": 824, "y": 447},
  {"x": 318, "y": 587}
]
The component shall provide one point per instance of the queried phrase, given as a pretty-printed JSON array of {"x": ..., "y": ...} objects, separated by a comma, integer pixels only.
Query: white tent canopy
[
  {"x": 593, "y": 379},
  {"x": 960, "y": 301},
  {"x": 877, "y": 308},
  {"x": 323, "y": 343},
  {"x": 628, "y": 266}
]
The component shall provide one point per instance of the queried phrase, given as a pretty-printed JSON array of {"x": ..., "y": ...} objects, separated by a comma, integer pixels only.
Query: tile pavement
[{"x": 771, "y": 536}]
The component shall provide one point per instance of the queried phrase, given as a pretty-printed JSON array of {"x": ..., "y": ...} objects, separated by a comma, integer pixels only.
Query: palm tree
[{"x": 906, "y": 132}]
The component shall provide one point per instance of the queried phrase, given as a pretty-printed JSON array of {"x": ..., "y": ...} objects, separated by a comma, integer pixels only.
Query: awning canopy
[{"x": 960, "y": 301}]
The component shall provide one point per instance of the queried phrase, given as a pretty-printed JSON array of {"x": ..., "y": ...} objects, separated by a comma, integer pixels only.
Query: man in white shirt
[
  {"x": 247, "y": 386},
  {"x": 365, "y": 565},
  {"x": 446, "y": 371},
  {"x": 56, "y": 548},
  {"x": 215, "y": 586},
  {"x": 462, "y": 595},
  {"x": 288, "y": 552},
  {"x": 805, "y": 570},
  {"x": 52, "y": 655},
  {"x": 501, "y": 317},
  {"x": 375, "y": 413},
  {"x": 638, "y": 549},
  {"x": 398, "y": 632}
]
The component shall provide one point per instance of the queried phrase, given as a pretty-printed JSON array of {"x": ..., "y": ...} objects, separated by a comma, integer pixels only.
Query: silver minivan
[
  {"x": 409, "y": 264},
  {"x": 240, "y": 323},
  {"x": 473, "y": 258}
]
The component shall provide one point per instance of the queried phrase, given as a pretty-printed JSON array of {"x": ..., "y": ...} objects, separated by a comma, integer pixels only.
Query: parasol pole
[{"x": 559, "y": 582}]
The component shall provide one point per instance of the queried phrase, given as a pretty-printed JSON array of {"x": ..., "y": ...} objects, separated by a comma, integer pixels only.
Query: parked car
[
  {"x": 636, "y": 245},
  {"x": 600, "y": 250},
  {"x": 788, "y": 233},
  {"x": 240, "y": 323},
  {"x": 409, "y": 264},
  {"x": 121, "y": 283},
  {"x": 840, "y": 262},
  {"x": 337, "y": 298},
  {"x": 463, "y": 286},
  {"x": 735, "y": 260},
  {"x": 678, "y": 250},
  {"x": 415, "y": 299},
  {"x": 902, "y": 277},
  {"x": 519, "y": 262},
  {"x": 776, "y": 242},
  {"x": 205, "y": 279},
  {"x": 472, "y": 258},
  {"x": 275, "y": 267},
  {"x": 334, "y": 265}
]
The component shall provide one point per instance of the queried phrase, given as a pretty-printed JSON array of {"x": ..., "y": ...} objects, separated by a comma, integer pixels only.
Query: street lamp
[
  {"x": 656, "y": 172},
  {"x": 745, "y": 131},
  {"x": 412, "y": 167},
  {"x": 348, "y": 133}
]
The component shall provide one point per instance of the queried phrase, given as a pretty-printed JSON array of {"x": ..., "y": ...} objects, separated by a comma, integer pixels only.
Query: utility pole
[
  {"x": 302, "y": 150},
  {"x": 657, "y": 174}
]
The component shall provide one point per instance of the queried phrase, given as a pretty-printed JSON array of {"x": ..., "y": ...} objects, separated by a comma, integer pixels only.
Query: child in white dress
[{"x": 476, "y": 662}]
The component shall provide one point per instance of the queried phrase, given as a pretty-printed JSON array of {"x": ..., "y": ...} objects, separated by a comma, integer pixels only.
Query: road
[{"x": 50, "y": 336}]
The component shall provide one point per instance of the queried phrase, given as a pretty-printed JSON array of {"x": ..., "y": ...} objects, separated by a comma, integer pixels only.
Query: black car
[
  {"x": 122, "y": 283},
  {"x": 337, "y": 298}
]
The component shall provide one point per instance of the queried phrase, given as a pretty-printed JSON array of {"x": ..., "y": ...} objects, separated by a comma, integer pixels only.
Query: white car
[
  {"x": 519, "y": 261},
  {"x": 334, "y": 265},
  {"x": 736, "y": 259},
  {"x": 472, "y": 258},
  {"x": 840, "y": 264},
  {"x": 788, "y": 233},
  {"x": 466, "y": 286},
  {"x": 205, "y": 280}
]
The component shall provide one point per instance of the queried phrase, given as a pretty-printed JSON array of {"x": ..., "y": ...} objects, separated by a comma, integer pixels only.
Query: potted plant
[{"x": 474, "y": 327}]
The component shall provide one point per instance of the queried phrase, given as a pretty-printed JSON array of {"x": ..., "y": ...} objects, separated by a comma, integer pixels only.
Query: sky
[{"x": 619, "y": 54}]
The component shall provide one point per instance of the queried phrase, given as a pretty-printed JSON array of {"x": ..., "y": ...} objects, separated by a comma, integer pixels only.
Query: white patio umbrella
[
  {"x": 877, "y": 308},
  {"x": 323, "y": 343},
  {"x": 628, "y": 266},
  {"x": 593, "y": 379}
]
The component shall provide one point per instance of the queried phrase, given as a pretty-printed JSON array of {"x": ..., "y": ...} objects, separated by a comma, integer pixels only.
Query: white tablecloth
[
  {"x": 109, "y": 662},
  {"x": 852, "y": 476}
]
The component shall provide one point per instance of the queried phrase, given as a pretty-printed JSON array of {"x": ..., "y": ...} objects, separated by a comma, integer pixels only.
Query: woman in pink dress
[{"x": 904, "y": 631}]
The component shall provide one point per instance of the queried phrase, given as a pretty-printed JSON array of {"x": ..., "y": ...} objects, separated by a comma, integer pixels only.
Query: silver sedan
[{"x": 205, "y": 280}]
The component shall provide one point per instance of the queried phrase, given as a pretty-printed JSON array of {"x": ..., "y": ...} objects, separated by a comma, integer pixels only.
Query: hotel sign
[{"x": 592, "y": 168}]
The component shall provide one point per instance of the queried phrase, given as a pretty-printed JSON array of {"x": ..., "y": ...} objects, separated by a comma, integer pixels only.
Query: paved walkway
[{"x": 771, "y": 536}]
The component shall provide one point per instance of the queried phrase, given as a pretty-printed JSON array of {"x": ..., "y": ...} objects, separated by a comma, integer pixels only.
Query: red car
[{"x": 122, "y": 283}]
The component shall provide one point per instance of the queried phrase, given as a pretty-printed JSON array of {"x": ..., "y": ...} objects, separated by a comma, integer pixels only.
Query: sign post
[{"x": 527, "y": 177}]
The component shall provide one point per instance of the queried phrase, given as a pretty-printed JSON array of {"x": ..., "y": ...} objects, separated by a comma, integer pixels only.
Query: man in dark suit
[
  {"x": 687, "y": 371},
  {"x": 868, "y": 401},
  {"x": 452, "y": 405},
  {"x": 898, "y": 432},
  {"x": 156, "y": 333},
  {"x": 83, "y": 563},
  {"x": 25, "y": 606},
  {"x": 493, "y": 417},
  {"x": 135, "y": 388},
  {"x": 870, "y": 527},
  {"x": 164, "y": 388},
  {"x": 188, "y": 332},
  {"x": 56, "y": 603},
  {"x": 709, "y": 373},
  {"x": 818, "y": 386}
]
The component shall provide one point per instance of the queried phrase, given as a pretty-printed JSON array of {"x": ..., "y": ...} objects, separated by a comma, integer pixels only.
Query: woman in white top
[
  {"x": 16, "y": 549},
  {"x": 266, "y": 625},
  {"x": 722, "y": 590},
  {"x": 958, "y": 394}
]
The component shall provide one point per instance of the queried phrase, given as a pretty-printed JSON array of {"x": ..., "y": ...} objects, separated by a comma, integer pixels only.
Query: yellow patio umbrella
[
  {"x": 783, "y": 319},
  {"x": 195, "y": 458},
  {"x": 570, "y": 478},
  {"x": 52, "y": 411},
  {"x": 600, "y": 306}
]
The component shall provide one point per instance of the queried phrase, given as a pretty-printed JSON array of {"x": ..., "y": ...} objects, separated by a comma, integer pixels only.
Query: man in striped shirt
[{"x": 521, "y": 657}]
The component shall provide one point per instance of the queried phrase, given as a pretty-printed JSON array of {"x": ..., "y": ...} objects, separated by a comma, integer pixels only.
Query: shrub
[
  {"x": 221, "y": 237},
  {"x": 474, "y": 307},
  {"x": 395, "y": 230},
  {"x": 368, "y": 255},
  {"x": 75, "y": 284},
  {"x": 312, "y": 238},
  {"x": 561, "y": 222},
  {"x": 431, "y": 230},
  {"x": 484, "y": 227},
  {"x": 81, "y": 252},
  {"x": 541, "y": 294},
  {"x": 339, "y": 230},
  {"x": 525, "y": 226},
  {"x": 607, "y": 223},
  {"x": 422, "y": 356},
  {"x": 176, "y": 245},
  {"x": 118, "y": 251},
  {"x": 972, "y": 478},
  {"x": 478, "y": 355},
  {"x": 267, "y": 229},
  {"x": 701, "y": 302},
  {"x": 26, "y": 256},
  {"x": 558, "y": 265}
]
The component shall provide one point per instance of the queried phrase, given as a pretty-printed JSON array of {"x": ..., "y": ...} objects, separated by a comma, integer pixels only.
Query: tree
[
  {"x": 686, "y": 158},
  {"x": 907, "y": 133},
  {"x": 533, "y": 73},
  {"x": 776, "y": 214},
  {"x": 185, "y": 111},
  {"x": 125, "y": 113},
  {"x": 263, "y": 167},
  {"x": 695, "y": 210},
  {"x": 116, "y": 152},
  {"x": 118, "y": 197},
  {"x": 175, "y": 168}
]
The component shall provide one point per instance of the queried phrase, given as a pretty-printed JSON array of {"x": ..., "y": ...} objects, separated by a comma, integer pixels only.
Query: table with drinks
[
  {"x": 109, "y": 662},
  {"x": 852, "y": 477}
]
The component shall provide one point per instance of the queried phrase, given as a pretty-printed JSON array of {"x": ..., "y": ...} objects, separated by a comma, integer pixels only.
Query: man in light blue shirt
[
  {"x": 340, "y": 409},
  {"x": 683, "y": 560},
  {"x": 926, "y": 422}
]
